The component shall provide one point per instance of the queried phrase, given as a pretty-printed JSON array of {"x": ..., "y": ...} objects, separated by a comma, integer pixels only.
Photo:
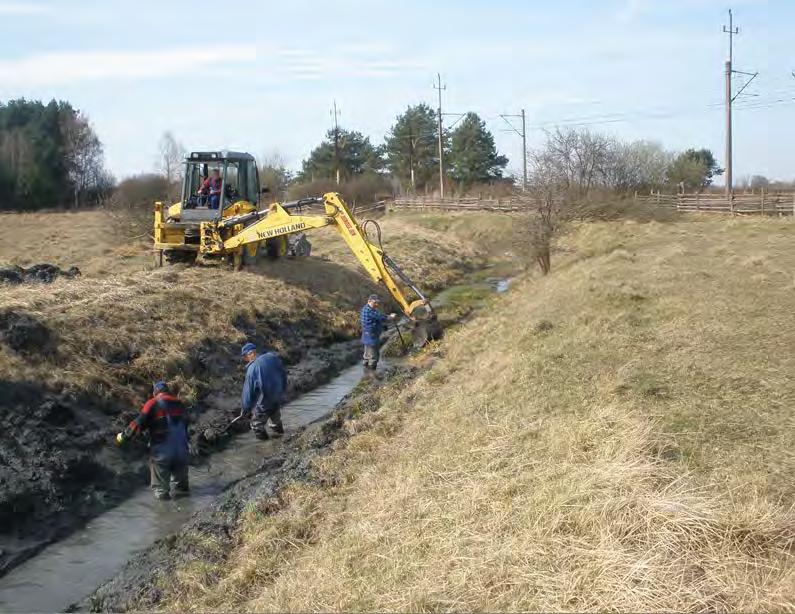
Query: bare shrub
[
  {"x": 131, "y": 205},
  {"x": 171, "y": 155},
  {"x": 549, "y": 207},
  {"x": 357, "y": 191},
  {"x": 274, "y": 175}
]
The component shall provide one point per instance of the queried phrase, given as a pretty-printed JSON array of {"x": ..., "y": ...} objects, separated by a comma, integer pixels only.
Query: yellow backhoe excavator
[{"x": 218, "y": 217}]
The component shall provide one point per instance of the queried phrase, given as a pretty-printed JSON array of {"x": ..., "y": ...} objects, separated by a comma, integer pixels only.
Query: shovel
[
  {"x": 211, "y": 434},
  {"x": 231, "y": 423},
  {"x": 402, "y": 342}
]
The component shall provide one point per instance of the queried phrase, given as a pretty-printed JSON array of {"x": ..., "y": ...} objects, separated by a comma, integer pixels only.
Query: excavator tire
[
  {"x": 299, "y": 246},
  {"x": 178, "y": 256},
  {"x": 276, "y": 247},
  {"x": 252, "y": 253}
]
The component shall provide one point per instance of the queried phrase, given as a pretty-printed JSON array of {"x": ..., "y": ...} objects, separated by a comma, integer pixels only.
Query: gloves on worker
[{"x": 120, "y": 439}]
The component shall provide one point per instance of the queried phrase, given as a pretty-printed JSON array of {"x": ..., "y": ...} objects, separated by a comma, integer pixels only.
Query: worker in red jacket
[
  {"x": 166, "y": 419},
  {"x": 211, "y": 189}
]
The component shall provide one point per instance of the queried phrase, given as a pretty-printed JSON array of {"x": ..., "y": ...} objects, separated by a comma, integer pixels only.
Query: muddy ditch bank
[
  {"x": 59, "y": 467},
  {"x": 37, "y": 273},
  {"x": 139, "y": 584}
]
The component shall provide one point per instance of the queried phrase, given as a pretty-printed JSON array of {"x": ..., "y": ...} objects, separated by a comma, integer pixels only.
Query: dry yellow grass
[
  {"x": 86, "y": 239},
  {"x": 126, "y": 322},
  {"x": 617, "y": 436}
]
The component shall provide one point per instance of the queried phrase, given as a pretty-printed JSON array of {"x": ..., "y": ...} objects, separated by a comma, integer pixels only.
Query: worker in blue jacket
[
  {"x": 263, "y": 390},
  {"x": 372, "y": 321}
]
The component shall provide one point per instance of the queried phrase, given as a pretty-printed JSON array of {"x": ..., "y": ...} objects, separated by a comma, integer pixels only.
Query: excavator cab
[
  {"x": 214, "y": 181},
  {"x": 216, "y": 185}
]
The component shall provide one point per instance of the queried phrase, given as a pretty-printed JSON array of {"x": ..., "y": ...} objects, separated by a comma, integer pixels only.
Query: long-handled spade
[
  {"x": 231, "y": 423},
  {"x": 211, "y": 434},
  {"x": 402, "y": 341}
]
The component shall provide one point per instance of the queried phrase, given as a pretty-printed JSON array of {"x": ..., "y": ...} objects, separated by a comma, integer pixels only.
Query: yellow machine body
[{"x": 239, "y": 232}]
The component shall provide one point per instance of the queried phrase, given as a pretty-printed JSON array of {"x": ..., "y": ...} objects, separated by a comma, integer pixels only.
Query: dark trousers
[
  {"x": 162, "y": 471},
  {"x": 371, "y": 355},
  {"x": 260, "y": 417}
]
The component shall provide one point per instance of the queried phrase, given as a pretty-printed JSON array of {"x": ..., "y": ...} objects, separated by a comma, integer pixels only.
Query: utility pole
[
  {"x": 411, "y": 156},
  {"x": 524, "y": 153},
  {"x": 441, "y": 152},
  {"x": 730, "y": 98},
  {"x": 336, "y": 143},
  {"x": 522, "y": 134},
  {"x": 731, "y": 31}
]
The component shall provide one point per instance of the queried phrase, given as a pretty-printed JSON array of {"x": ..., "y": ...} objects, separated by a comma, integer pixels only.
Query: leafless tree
[
  {"x": 171, "y": 155},
  {"x": 274, "y": 174},
  {"x": 83, "y": 156},
  {"x": 580, "y": 160},
  {"x": 640, "y": 165},
  {"x": 550, "y": 207},
  {"x": 575, "y": 160}
]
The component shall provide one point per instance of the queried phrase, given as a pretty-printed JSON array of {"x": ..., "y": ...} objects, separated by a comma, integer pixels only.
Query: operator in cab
[
  {"x": 372, "y": 321},
  {"x": 264, "y": 390},
  {"x": 165, "y": 418},
  {"x": 211, "y": 189}
]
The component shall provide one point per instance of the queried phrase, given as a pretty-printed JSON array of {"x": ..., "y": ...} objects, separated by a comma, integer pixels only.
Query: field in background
[
  {"x": 617, "y": 435},
  {"x": 86, "y": 239}
]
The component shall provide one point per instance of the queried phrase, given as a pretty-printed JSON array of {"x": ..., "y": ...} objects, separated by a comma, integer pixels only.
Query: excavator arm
[{"x": 278, "y": 220}]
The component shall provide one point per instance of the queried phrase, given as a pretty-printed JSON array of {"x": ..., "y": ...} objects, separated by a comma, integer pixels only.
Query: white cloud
[
  {"x": 275, "y": 64},
  {"x": 22, "y": 8},
  {"x": 67, "y": 67},
  {"x": 340, "y": 62}
]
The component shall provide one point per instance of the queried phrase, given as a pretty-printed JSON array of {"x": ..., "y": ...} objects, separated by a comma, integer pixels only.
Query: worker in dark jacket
[
  {"x": 372, "y": 321},
  {"x": 263, "y": 390},
  {"x": 166, "y": 419}
]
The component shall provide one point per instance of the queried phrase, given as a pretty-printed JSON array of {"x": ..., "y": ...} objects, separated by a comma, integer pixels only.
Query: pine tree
[
  {"x": 473, "y": 156},
  {"x": 411, "y": 147},
  {"x": 353, "y": 153}
]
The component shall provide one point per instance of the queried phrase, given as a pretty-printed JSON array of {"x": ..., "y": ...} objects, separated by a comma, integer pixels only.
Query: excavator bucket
[
  {"x": 426, "y": 323},
  {"x": 426, "y": 330}
]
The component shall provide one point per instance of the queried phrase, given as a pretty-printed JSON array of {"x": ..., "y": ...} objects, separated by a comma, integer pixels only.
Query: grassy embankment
[
  {"x": 617, "y": 435},
  {"x": 123, "y": 322}
]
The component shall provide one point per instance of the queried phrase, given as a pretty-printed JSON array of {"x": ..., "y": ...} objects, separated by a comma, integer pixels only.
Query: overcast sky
[{"x": 261, "y": 76}]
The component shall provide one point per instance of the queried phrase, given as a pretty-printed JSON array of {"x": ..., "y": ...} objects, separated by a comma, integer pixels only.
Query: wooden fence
[
  {"x": 377, "y": 207},
  {"x": 765, "y": 203},
  {"x": 739, "y": 204},
  {"x": 458, "y": 204}
]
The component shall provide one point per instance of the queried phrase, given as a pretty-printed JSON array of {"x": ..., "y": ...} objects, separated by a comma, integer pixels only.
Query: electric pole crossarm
[
  {"x": 512, "y": 127},
  {"x": 522, "y": 134},
  {"x": 747, "y": 83}
]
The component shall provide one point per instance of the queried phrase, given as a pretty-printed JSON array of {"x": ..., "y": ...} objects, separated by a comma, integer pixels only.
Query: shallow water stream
[{"x": 68, "y": 570}]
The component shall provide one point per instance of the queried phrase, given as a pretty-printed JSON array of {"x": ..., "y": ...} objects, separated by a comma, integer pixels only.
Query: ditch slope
[{"x": 86, "y": 350}]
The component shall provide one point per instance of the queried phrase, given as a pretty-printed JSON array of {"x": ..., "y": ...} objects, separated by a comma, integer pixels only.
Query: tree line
[
  {"x": 573, "y": 158},
  {"x": 410, "y": 153},
  {"x": 581, "y": 160},
  {"x": 50, "y": 156}
]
